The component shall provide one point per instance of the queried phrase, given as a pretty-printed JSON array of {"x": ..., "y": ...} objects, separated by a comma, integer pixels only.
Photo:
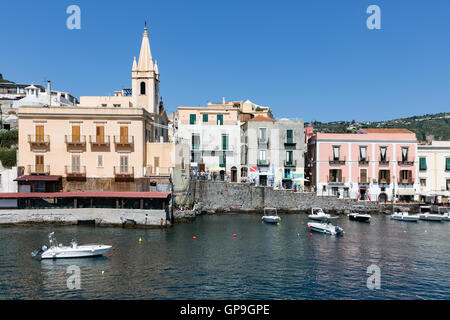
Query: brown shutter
[
  {"x": 40, "y": 133},
  {"x": 75, "y": 133},
  {"x": 340, "y": 175},
  {"x": 330, "y": 175}
]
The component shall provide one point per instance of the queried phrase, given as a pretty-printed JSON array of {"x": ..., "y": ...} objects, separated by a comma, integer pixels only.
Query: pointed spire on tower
[
  {"x": 156, "y": 67},
  {"x": 134, "y": 68},
  {"x": 145, "y": 57}
]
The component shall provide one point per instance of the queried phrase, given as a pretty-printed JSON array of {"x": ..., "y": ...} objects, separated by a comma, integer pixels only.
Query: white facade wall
[{"x": 7, "y": 176}]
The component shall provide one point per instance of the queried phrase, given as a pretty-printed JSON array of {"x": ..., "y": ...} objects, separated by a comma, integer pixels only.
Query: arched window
[{"x": 143, "y": 88}]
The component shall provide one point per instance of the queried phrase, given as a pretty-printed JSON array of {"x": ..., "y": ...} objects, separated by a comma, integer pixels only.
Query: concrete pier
[{"x": 98, "y": 216}]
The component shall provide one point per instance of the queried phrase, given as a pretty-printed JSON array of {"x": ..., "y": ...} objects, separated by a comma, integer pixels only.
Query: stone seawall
[
  {"x": 97, "y": 216},
  {"x": 213, "y": 196}
]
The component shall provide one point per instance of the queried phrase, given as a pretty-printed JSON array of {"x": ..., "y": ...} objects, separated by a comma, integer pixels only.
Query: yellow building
[{"x": 117, "y": 143}]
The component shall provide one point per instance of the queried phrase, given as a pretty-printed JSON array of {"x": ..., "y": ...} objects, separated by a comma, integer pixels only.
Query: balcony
[
  {"x": 41, "y": 141},
  {"x": 124, "y": 141},
  {"x": 263, "y": 162},
  {"x": 363, "y": 180},
  {"x": 40, "y": 170},
  {"x": 383, "y": 162},
  {"x": 151, "y": 171},
  {"x": 123, "y": 173},
  {"x": 99, "y": 141},
  {"x": 75, "y": 141},
  {"x": 75, "y": 173},
  {"x": 407, "y": 181},
  {"x": 263, "y": 142},
  {"x": 363, "y": 162},
  {"x": 405, "y": 162},
  {"x": 290, "y": 163},
  {"x": 335, "y": 179},
  {"x": 289, "y": 142},
  {"x": 384, "y": 181},
  {"x": 334, "y": 160}
]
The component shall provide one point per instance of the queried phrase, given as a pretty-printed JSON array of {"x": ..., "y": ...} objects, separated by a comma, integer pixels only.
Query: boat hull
[
  {"x": 317, "y": 217},
  {"x": 405, "y": 218},
  {"x": 431, "y": 217},
  {"x": 78, "y": 252},
  {"x": 271, "y": 219},
  {"x": 360, "y": 218}
]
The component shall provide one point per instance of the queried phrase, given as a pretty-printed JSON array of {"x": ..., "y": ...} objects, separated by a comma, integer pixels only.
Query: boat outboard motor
[
  {"x": 39, "y": 251},
  {"x": 339, "y": 230}
]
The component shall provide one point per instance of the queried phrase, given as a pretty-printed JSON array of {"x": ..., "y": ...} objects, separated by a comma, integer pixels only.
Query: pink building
[{"x": 372, "y": 164}]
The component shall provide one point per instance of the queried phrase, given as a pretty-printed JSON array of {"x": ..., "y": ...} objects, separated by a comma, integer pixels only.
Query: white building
[{"x": 434, "y": 171}]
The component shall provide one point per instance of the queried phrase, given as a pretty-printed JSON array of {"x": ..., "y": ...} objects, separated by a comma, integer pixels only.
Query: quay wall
[
  {"x": 214, "y": 196},
  {"x": 99, "y": 216}
]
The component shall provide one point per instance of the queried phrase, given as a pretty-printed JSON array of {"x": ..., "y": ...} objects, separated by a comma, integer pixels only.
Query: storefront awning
[
  {"x": 38, "y": 178},
  {"x": 405, "y": 192}
]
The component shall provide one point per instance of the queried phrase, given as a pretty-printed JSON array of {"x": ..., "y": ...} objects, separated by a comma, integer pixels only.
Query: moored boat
[
  {"x": 426, "y": 214},
  {"x": 325, "y": 227},
  {"x": 359, "y": 215},
  {"x": 401, "y": 214},
  {"x": 271, "y": 215},
  {"x": 56, "y": 251},
  {"x": 318, "y": 214},
  {"x": 445, "y": 212}
]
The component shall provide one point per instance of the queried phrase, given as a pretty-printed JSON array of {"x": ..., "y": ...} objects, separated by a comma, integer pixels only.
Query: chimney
[
  {"x": 223, "y": 100},
  {"x": 49, "y": 92}
]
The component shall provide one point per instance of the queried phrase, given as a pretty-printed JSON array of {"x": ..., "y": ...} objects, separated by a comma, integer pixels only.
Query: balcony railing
[
  {"x": 406, "y": 181},
  {"x": 363, "y": 180},
  {"x": 75, "y": 140},
  {"x": 289, "y": 142},
  {"x": 363, "y": 161},
  {"x": 99, "y": 141},
  {"x": 124, "y": 141},
  {"x": 39, "y": 141},
  {"x": 263, "y": 162},
  {"x": 292, "y": 163},
  {"x": 157, "y": 171},
  {"x": 384, "y": 181},
  {"x": 263, "y": 141},
  {"x": 123, "y": 172},
  {"x": 335, "y": 179},
  {"x": 39, "y": 169},
  {"x": 384, "y": 161},
  {"x": 75, "y": 171},
  {"x": 405, "y": 162},
  {"x": 333, "y": 160}
]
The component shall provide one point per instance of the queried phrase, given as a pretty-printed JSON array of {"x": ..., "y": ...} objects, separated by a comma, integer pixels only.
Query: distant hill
[{"x": 426, "y": 127}]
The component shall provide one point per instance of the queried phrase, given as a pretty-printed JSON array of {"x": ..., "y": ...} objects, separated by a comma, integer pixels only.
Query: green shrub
[
  {"x": 8, "y": 157},
  {"x": 8, "y": 138}
]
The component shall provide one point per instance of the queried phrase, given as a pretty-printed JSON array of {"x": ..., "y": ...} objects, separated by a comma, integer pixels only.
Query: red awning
[
  {"x": 38, "y": 178},
  {"x": 16, "y": 195}
]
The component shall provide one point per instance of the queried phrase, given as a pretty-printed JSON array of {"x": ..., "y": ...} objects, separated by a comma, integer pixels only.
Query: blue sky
[{"x": 312, "y": 60}]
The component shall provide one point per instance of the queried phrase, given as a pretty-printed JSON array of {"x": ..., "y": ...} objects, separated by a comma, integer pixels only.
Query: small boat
[
  {"x": 270, "y": 216},
  {"x": 359, "y": 215},
  {"x": 326, "y": 227},
  {"x": 426, "y": 214},
  {"x": 403, "y": 215},
  {"x": 445, "y": 212},
  {"x": 318, "y": 214},
  {"x": 56, "y": 251}
]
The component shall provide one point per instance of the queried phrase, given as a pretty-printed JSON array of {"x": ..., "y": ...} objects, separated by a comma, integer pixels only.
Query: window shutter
[
  {"x": 447, "y": 163},
  {"x": 423, "y": 164}
]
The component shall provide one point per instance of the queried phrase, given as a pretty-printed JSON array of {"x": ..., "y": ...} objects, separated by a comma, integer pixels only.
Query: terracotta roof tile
[
  {"x": 261, "y": 118},
  {"x": 389, "y": 130}
]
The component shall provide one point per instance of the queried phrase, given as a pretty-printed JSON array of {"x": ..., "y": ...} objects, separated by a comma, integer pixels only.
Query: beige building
[
  {"x": 117, "y": 143},
  {"x": 434, "y": 171}
]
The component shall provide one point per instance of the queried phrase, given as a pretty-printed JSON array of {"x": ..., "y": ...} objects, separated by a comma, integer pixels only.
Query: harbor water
[{"x": 234, "y": 256}]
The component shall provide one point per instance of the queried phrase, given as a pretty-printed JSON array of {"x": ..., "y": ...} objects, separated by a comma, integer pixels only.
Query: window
[
  {"x": 383, "y": 157},
  {"x": 324, "y": 188},
  {"x": 384, "y": 176},
  {"x": 192, "y": 118},
  {"x": 363, "y": 153},
  {"x": 422, "y": 163},
  {"x": 448, "y": 184},
  {"x": 336, "y": 152},
  {"x": 103, "y": 105},
  {"x": 222, "y": 161},
  {"x": 423, "y": 182},
  {"x": 220, "y": 119},
  {"x": 40, "y": 133},
  {"x": 123, "y": 164},
  {"x": 116, "y": 105},
  {"x": 123, "y": 134},
  {"x": 363, "y": 176},
  {"x": 76, "y": 133},
  {"x": 334, "y": 191},
  {"x": 143, "y": 88},
  {"x": 405, "y": 176},
  {"x": 39, "y": 163},
  {"x": 346, "y": 194},
  {"x": 287, "y": 173},
  {"x": 405, "y": 154},
  {"x": 335, "y": 175},
  {"x": 262, "y": 134},
  {"x": 76, "y": 159},
  {"x": 262, "y": 155},
  {"x": 289, "y": 157},
  {"x": 195, "y": 141},
  {"x": 447, "y": 164},
  {"x": 289, "y": 136},
  {"x": 156, "y": 163},
  {"x": 224, "y": 142},
  {"x": 100, "y": 161},
  {"x": 100, "y": 134},
  {"x": 205, "y": 118}
]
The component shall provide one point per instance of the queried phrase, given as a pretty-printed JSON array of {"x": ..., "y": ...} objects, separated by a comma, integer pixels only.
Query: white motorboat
[
  {"x": 359, "y": 215},
  {"x": 403, "y": 215},
  {"x": 270, "y": 216},
  {"x": 445, "y": 212},
  {"x": 426, "y": 214},
  {"x": 318, "y": 214},
  {"x": 325, "y": 227},
  {"x": 56, "y": 251}
]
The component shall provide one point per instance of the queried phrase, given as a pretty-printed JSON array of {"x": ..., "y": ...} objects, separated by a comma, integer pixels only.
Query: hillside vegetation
[{"x": 426, "y": 127}]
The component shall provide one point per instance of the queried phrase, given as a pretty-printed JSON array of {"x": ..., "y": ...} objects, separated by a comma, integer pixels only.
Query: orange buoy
[
  {"x": 310, "y": 234},
  {"x": 148, "y": 241},
  {"x": 194, "y": 237}
]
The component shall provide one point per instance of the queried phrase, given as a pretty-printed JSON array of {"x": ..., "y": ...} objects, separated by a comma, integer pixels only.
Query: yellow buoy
[
  {"x": 140, "y": 240},
  {"x": 278, "y": 223}
]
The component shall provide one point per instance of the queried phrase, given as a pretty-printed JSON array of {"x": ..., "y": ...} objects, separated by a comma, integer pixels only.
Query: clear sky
[{"x": 312, "y": 60}]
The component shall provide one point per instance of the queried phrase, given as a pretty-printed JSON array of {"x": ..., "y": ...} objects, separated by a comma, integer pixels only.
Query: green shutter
[
  {"x": 222, "y": 161},
  {"x": 220, "y": 119},
  {"x": 289, "y": 136},
  {"x": 447, "y": 163},
  {"x": 423, "y": 164},
  {"x": 224, "y": 142},
  {"x": 205, "y": 118},
  {"x": 192, "y": 118}
]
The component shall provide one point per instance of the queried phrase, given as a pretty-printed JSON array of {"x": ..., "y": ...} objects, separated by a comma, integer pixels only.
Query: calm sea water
[{"x": 262, "y": 262}]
